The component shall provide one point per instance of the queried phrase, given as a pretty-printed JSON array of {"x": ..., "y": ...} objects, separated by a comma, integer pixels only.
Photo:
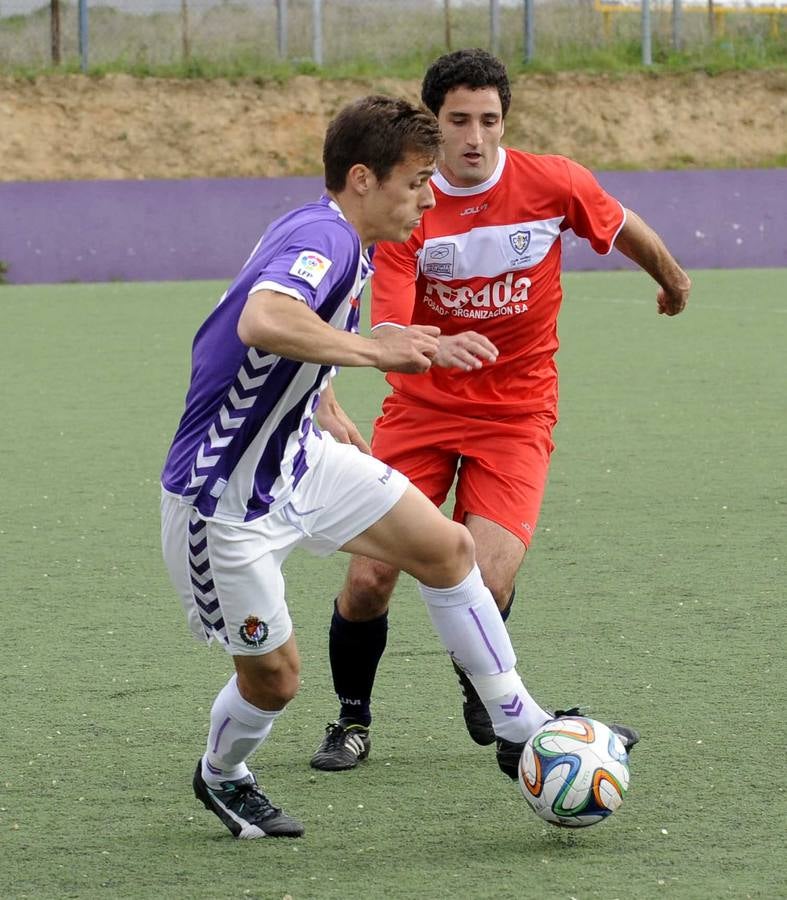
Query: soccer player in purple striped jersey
[{"x": 250, "y": 475}]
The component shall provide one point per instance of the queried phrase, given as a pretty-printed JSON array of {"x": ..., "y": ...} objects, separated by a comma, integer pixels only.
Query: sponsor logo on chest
[
  {"x": 505, "y": 296},
  {"x": 439, "y": 260}
]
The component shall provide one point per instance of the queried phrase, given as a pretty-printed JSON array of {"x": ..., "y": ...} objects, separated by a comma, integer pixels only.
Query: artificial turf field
[{"x": 653, "y": 593}]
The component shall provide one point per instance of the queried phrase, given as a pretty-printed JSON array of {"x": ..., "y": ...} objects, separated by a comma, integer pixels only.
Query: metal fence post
[
  {"x": 317, "y": 32},
  {"x": 677, "y": 24},
  {"x": 83, "y": 35},
  {"x": 184, "y": 30},
  {"x": 54, "y": 30},
  {"x": 530, "y": 31},
  {"x": 494, "y": 26},
  {"x": 281, "y": 28},
  {"x": 647, "y": 53}
]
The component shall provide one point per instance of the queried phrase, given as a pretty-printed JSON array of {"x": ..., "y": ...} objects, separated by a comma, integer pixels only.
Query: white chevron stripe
[
  {"x": 257, "y": 359},
  {"x": 205, "y": 462},
  {"x": 202, "y": 579},
  {"x": 248, "y": 383},
  {"x": 227, "y": 421},
  {"x": 240, "y": 402},
  {"x": 199, "y": 558},
  {"x": 216, "y": 440}
]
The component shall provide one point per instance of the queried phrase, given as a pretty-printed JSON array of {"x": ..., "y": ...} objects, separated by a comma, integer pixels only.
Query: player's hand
[
  {"x": 673, "y": 300},
  {"x": 333, "y": 419},
  {"x": 340, "y": 426},
  {"x": 408, "y": 350},
  {"x": 467, "y": 351}
]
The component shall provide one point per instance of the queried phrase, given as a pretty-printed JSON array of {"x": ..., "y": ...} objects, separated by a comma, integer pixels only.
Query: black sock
[
  {"x": 355, "y": 649},
  {"x": 506, "y": 612}
]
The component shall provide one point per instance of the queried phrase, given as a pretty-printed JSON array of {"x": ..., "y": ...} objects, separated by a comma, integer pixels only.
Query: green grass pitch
[{"x": 654, "y": 593}]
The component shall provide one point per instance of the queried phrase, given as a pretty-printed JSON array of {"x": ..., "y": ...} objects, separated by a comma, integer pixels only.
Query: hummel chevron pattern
[
  {"x": 232, "y": 414},
  {"x": 202, "y": 588},
  {"x": 514, "y": 708}
]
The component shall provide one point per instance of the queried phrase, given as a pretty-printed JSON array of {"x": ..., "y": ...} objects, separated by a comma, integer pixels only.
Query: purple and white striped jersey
[{"x": 248, "y": 433}]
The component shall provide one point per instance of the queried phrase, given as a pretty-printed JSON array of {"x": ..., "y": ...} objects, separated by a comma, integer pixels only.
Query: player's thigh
[
  {"x": 245, "y": 568},
  {"x": 503, "y": 473},
  {"x": 420, "y": 443},
  {"x": 416, "y": 537}
]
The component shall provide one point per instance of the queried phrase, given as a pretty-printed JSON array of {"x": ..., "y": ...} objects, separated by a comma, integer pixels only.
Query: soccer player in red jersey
[{"x": 484, "y": 266}]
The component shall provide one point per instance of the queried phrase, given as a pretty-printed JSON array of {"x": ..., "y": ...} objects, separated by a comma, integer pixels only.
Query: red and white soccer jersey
[{"x": 487, "y": 259}]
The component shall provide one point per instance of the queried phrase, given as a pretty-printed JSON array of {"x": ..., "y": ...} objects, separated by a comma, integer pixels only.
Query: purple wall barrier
[{"x": 63, "y": 231}]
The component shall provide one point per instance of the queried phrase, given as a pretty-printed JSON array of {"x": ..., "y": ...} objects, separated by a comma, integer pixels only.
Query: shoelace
[
  {"x": 574, "y": 711},
  {"x": 335, "y": 734},
  {"x": 251, "y": 797}
]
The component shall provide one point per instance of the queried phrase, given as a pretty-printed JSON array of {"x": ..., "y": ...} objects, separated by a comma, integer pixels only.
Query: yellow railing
[{"x": 717, "y": 14}]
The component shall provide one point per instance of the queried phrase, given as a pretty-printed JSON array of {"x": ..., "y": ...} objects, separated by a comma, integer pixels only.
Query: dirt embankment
[{"x": 71, "y": 127}]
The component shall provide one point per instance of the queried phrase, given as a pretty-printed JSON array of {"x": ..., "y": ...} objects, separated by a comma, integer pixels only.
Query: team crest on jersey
[
  {"x": 520, "y": 241},
  {"x": 311, "y": 266},
  {"x": 253, "y": 631},
  {"x": 439, "y": 260}
]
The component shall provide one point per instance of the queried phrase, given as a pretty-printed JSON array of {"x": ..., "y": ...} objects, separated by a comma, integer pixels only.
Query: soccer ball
[{"x": 574, "y": 772}]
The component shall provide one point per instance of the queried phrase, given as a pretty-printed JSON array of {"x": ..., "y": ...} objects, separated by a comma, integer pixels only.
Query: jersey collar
[{"x": 447, "y": 188}]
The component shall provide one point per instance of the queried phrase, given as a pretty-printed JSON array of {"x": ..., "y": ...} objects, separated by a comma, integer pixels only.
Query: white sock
[
  {"x": 237, "y": 728},
  {"x": 470, "y": 627}
]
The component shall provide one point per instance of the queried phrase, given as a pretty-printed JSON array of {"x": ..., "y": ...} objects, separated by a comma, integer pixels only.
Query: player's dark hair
[
  {"x": 465, "y": 68},
  {"x": 378, "y": 132}
]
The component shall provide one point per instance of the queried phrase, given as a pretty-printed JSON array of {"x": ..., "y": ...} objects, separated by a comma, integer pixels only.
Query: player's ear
[
  {"x": 502, "y": 128},
  {"x": 360, "y": 178}
]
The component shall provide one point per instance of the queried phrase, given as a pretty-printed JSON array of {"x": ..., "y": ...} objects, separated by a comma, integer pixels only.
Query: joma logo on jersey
[
  {"x": 520, "y": 241},
  {"x": 495, "y": 294},
  {"x": 439, "y": 260}
]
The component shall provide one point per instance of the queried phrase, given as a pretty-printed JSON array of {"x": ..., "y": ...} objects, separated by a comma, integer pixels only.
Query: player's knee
[
  {"x": 271, "y": 684},
  {"x": 453, "y": 559},
  {"x": 500, "y": 589},
  {"x": 367, "y": 591}
]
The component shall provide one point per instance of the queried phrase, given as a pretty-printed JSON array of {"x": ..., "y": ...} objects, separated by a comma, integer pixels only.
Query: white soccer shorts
[{"x": 228, "y": 574}]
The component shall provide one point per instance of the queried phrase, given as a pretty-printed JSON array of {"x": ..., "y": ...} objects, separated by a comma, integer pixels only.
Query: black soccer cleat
[
  {"x": 344, "y": 745},
  {"x": 244, "y": 809},
  {"x": 629, "y": 736},
  {"x": 509, "y": 752},
  {"x": 477, "y": 721}
]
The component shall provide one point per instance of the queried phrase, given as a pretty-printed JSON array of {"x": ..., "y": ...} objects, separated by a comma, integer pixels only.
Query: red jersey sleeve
[
  {"x": 592, "y": 212},
  {"x": 393, "y": 284}
]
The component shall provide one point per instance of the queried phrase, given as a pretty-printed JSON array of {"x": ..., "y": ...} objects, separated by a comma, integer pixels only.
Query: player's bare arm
[
  {"x": 337, "y": 423},
  {"x": 284, "y": 325},
  {"x": 640, "y": 243}
]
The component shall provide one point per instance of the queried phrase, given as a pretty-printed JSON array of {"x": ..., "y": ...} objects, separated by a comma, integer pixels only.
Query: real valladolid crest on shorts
[{"x": 253, "y": 631}]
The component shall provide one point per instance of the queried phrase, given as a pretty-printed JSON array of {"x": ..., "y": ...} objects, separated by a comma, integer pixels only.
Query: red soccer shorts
[{"x": 500, "y": 465}]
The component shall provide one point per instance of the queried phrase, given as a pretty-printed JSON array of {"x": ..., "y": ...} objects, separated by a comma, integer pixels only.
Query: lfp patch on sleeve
[{"x": 311, "y": 266}]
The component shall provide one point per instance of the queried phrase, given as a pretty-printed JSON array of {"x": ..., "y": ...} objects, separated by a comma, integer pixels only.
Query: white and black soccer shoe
[{"x": 244, "y": 809}]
